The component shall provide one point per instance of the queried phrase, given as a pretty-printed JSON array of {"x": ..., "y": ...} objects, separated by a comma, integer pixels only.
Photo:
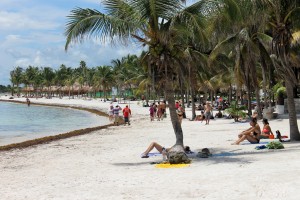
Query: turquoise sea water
[{"x": 18, "y": 122}]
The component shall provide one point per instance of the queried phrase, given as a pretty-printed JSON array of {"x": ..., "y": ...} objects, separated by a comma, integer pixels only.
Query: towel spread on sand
[
  {"x": 159, "y": 154},
  {"x": 168, "y": 165}
]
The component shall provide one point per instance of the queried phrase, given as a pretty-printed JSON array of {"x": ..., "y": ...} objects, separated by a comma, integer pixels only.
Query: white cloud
[
  {"x": 31, "y": 33},
  {"x": 11, "y": 21}
]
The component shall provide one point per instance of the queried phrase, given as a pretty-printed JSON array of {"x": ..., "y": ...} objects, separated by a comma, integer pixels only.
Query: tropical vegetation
[{"x": 193, "y": 50}]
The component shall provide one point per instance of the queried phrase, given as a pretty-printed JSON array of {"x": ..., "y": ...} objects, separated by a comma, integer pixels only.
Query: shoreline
[{"x": 47, "y": 139}]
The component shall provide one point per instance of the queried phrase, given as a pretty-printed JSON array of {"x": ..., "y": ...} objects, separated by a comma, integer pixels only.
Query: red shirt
[{"x": 126, "y": 112}]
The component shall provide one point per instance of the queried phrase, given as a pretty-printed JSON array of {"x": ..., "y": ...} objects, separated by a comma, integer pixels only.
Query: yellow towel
[{"x": 168, "y": 165}]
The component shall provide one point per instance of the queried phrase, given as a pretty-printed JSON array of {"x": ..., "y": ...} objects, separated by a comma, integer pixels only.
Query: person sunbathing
[
  {"x": 160, "y": 149},
  {"x": 251, "y": 134},
  {"x": 266, "y": 131}
]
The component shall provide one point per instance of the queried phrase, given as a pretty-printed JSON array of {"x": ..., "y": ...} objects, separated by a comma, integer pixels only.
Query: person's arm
[
  {"x": 248, "y": 131},
  {"x": 270, "y": 130}
]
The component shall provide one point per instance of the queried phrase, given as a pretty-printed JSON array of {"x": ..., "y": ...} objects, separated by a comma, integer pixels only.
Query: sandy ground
[{"x": 106, "y": 164}]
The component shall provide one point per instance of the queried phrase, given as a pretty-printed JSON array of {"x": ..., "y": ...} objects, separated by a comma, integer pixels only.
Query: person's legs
[
  {"x": 180, "y": 119},
  {"x": 126, "y": 119},
  {"x": 252, "y": 140},
  {"x": 152, "y": 146},
  {"x": 117, "y": 120},
  {"x": 242, "y": 138}
]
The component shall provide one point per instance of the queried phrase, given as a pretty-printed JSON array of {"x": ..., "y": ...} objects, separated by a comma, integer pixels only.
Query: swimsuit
[
  {"x": 207, "y": 115},
  {"x": 255, "y": 134}
]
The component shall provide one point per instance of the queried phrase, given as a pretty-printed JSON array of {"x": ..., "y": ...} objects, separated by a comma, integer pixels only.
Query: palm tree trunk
[
  {"x": 230, "y": 94},
  {"x": 258, "y": 102},
  {"x": 174, "y": 118},
  {"x": 193, "y": 103},
  {"x": 294, "y": 130}
]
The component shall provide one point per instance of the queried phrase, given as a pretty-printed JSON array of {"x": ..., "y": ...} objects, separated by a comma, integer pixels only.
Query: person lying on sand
[
  {"x": 161, "y": 149},
  {"x": 251, "y": 134}
]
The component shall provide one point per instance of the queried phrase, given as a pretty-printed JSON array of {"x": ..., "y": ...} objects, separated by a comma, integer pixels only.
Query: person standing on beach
[
  {"x": 180, "y": 113},
  {"x": 126, "y": 114},
  {"x": 154, "y": 109},
  {"x": 116, "y": 111},
  {"x": 176, "y": 104},
  {"x": 207, "y": 109},
  {"x": 151, "y": 110},
  {"x": 159, "y": 111},
  {"x": 111, "y": 113}
]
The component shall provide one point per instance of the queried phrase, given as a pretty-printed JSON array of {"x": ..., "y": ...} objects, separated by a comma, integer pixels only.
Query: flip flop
[{"x": 144, "y": 156}]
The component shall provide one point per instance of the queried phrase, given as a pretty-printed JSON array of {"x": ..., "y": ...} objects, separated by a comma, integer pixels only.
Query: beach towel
[
  {"x": 154, "y": 154},
  {"x": 159, "y": 154},
  {"x": 168, "y": 165},
  {"x": 247, "y": 143}
]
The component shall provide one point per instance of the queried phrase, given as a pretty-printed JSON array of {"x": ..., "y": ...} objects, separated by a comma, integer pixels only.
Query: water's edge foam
[{"x": 48, "y": 139}]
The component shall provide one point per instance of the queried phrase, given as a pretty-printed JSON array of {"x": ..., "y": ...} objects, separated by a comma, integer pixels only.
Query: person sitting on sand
[
  {"x": 160, "y": 149},
  {"x": 251, "y": 134},
  {"x": 266, "y": 131}
]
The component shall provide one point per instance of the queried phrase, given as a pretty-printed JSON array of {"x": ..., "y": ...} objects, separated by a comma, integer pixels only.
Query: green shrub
[{"x": 236, "y": 111}]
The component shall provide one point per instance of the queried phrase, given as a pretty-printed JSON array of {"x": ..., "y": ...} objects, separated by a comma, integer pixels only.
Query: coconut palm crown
[{"x": 166, "y": 27}]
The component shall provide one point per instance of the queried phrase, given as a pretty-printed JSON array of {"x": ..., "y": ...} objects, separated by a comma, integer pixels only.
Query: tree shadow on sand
[{"x": 221, "y": 155}]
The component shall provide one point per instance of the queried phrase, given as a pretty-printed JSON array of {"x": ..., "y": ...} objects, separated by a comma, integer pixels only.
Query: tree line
[
  {"x": 215, "y": 44},
  {"x": 208, "y": 46}
]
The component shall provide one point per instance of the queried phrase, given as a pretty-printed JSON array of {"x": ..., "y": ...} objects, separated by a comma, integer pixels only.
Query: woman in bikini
[
  {"x": 251, "y": 134},
  {"x": 161, "y": 149},
  {"x": 266, "y": 131}
]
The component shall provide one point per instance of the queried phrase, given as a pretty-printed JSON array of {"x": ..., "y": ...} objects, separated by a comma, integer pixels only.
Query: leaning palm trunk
[
  {"x": 294, "y": 131},
  {"x": 173, "y": 114}
]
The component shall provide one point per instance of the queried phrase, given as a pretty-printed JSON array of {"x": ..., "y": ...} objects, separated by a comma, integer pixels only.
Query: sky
[{"x": 32, "y": 33}]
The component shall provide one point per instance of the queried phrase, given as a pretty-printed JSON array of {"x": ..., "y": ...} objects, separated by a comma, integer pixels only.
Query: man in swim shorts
[{"x": 207, "y": 109}]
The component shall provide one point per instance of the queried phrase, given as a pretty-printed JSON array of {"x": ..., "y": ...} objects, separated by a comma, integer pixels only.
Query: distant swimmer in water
[{"x": 28, "y": 102}]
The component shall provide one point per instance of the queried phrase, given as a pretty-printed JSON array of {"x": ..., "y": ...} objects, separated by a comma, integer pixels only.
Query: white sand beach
[{"x": 106, "y": 164}]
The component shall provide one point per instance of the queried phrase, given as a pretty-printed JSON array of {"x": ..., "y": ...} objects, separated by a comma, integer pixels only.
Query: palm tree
[
  {"x": 247, "y": 42},
  {"x": 16, "y": 78},
  {"x": 162, "y": 25},
  {"x": 61, "y": 77},
  {"x": 48, "y": 76},
  {"x": 30, "y": 74},
  {"x": 284, "y": 20},
  {"x": 104, "y": 78}
]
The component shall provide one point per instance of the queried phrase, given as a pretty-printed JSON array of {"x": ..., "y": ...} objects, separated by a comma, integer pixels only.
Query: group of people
[
  {"x": 157, "y": 111},
  {"x": 254, "y": 133},
  {"x": 114, "y": 114}
]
